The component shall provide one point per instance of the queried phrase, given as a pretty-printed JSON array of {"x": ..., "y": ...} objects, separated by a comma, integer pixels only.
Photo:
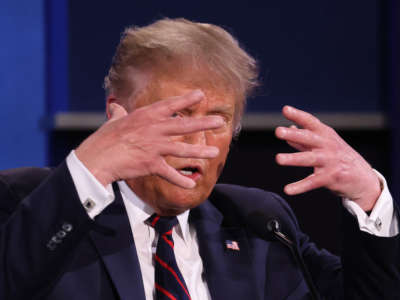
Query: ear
[{"x": 110, "y": 99}]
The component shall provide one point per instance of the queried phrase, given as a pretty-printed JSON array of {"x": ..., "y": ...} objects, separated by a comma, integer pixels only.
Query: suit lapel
[
  {"x": 229, "y": 272},
  {"x": 117, "y": 249}
]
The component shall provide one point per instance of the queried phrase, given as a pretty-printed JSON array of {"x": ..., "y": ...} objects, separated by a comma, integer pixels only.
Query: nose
[{"x": 196, "y": 138}]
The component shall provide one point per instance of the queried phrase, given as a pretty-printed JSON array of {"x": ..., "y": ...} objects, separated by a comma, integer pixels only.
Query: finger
[
  {"x": 299, "y": 159},
  {"x": 169, "y": 106},
  {"x": 297, "y": 146},
  {"x": 186, "y": 125},
  {"x": 302, "y": 118},
  {"x": 180, "y": 149},
  {"x": 307, "y": 184},
  {"x": 299, "y": 136},
  {"x": 116, "y": 112},
  {"x": 173, "y": 176}
]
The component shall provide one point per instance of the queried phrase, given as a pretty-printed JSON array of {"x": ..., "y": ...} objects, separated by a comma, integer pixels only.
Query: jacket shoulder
[
  {"x": 246, "y": 196},
  {"x": 239, "y": 203},
  {"x": 16, "y": 184}
]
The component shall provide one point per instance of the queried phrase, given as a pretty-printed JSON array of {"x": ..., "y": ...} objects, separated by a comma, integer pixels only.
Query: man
[{"x": 176, "y": 91}]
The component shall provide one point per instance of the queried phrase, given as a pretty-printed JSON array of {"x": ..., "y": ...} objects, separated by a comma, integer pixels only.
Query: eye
[
  {"x": 177, "y": 115},
  {"x": 226, "y": 116}
]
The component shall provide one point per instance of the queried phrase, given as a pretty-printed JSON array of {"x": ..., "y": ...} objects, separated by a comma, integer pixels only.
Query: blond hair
[{"x": 181, "y": 45}]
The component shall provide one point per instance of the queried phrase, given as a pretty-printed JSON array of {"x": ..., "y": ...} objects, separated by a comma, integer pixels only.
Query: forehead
[
  {"x": 162, "y": 87},
  {"x": 213, "y": 95},
  {"x": 159, "y": 81}
]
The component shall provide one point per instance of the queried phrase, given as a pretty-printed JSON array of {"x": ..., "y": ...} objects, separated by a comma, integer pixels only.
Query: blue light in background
[{"x": 22, "y": 83}]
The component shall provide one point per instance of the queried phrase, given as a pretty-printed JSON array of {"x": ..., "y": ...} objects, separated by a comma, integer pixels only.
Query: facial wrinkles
[
  {"x": 165, "y": 197},
  {"x": 209, "y": 106},
  {"x": 149, "y": 84}
]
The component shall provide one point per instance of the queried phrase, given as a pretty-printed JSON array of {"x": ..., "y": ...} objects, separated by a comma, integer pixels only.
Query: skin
[
  {"x": 165, "y": 197},
  {"x": 337, "y": 166},
  {"x": 147, "y": 139},
  {"x": 134, "y": 144},
  {"x": 153, "y": 134}
]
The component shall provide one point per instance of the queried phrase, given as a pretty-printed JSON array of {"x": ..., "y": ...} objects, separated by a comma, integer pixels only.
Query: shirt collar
[{"x": 142, "y": 211}]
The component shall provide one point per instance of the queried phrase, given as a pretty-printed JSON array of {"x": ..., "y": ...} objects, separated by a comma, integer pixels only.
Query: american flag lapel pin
[{"x": 232, "y": 245}]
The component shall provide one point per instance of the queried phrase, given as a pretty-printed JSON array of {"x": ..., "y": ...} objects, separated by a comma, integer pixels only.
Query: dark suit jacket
[{"x": 51, "y": 249}]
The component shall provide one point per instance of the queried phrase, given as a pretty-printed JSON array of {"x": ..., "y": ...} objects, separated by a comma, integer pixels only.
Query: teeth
[{"x": 185, "y": 172}]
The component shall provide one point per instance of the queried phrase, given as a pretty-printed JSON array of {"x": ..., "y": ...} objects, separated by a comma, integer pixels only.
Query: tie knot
[{"x": 162, "y": 224}]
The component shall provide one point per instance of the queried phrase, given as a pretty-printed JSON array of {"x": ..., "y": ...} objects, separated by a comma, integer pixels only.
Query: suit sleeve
[
  {"x": 39, "y": 234},
  {"x": 371, "y": 263},
  {"x": 369, "y": 267},
  {"x": 324, "y": 267}
]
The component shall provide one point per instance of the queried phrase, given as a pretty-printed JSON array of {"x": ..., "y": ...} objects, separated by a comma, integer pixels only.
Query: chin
[
  {"x": 172, "y": 199},
  {"x": 167, "y": 198}
]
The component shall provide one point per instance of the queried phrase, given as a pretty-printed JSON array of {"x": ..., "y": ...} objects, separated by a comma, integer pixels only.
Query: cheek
[{"x": 222, "y": 142}]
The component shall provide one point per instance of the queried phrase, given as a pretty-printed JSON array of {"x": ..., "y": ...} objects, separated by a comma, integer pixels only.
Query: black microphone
[
  {"x": 270, "y": 227},
  {"x": 274, "y": 227}
]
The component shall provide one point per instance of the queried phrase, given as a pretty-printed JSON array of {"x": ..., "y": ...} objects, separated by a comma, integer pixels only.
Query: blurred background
[{"x": 338, "y": 59}]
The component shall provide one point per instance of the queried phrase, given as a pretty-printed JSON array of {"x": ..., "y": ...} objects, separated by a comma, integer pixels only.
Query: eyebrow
[
  {"x": 217, "y": 109},
  {"x": 223, "y": 109}
]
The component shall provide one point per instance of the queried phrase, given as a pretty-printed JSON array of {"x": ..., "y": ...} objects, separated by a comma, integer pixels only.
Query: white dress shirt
[
  {"x": 95, "y": 197},
  {"x": 383, "y": 220}
]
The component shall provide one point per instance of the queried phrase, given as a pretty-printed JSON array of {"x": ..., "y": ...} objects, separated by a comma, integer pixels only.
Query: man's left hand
[{"x": 337, "y": 166}]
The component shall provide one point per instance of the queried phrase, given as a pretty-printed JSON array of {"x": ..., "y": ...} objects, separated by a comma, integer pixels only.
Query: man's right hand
[{"x": 134, "y": 145}]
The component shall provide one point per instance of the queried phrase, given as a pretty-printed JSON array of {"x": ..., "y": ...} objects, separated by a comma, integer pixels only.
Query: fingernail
[
  {"x": 215, "y": 121},
  {"x": 281, "y": 131},
  {"x": 281, "y": 158},
  {"x": 288, "y": 108},
  {"x": 288, "y": 189},
  {"x": 198, "y": 93},
  {"x": 219, "y": 121},
  {"x": 212, "y": 151}
]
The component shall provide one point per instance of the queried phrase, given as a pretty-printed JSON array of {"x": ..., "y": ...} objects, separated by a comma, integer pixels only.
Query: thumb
[{"x": 115, "y": 112}]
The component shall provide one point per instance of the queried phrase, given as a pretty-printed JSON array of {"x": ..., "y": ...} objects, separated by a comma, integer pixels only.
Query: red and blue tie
[{"x": 169, "y": 282}]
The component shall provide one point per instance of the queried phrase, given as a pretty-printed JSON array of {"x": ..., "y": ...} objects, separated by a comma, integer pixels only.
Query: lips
[{"x": 193, "y": 171}]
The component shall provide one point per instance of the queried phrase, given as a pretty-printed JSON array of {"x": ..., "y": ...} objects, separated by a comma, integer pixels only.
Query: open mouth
[
  {"x": 193, "y": 172},
  {"x": 188, "y": 171}
]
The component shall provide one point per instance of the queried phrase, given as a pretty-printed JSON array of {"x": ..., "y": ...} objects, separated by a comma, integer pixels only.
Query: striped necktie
[{"x": 169, "y": 282}]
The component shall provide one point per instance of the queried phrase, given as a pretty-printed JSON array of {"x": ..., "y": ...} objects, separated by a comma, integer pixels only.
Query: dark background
[
  {"x": 322, "y": 56},
  {"x": 319, "y": 55}
]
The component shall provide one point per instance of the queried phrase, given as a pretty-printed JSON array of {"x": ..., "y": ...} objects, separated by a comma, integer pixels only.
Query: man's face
[{"x": 165, "y": 197}]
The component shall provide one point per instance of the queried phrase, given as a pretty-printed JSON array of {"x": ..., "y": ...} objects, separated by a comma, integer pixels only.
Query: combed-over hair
[{"x": 182, "y": 45}]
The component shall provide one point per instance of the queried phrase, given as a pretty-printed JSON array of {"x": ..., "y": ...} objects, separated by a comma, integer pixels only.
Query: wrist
[
  {"x": 368, "y": 200},
  {"x": 103, "y": 177},
  {"x": 94, "y": 167}
]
